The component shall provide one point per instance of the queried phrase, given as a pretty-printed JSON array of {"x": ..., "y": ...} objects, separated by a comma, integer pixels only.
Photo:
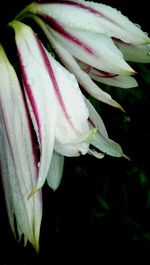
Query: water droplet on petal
[
  {"x": 30, "y": 82},
  {"x": 146, "y": 33},
  {"x": 52, "y": 54},
  {"x": 24, "y": 64},
  {"x": 138, "y": 25}
]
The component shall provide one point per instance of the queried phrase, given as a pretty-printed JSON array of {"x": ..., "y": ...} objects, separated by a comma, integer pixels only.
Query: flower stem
[{"x": 21, "y": 15}]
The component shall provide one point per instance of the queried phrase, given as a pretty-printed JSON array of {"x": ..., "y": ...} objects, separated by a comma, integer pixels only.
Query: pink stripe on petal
[
  {"x": 33, "y": 143},
  {"x": 103, "y": 74},
  {"x": 85, "y": 7},
  {"x": 59, "y": 29},
  {"x": 54, "y": 81},
  {"x": 28, "y": 90},
  {"x": 120, "y": 41},
  {"x": 33, "y": 140},
  {"x": 96, "y": 72},
  {"x": 91, "y": 122},
  {"x": 34, "y": 152}
]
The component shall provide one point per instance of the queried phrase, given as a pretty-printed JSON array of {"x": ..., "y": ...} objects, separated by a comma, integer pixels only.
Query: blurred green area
[{"x": 102, "y": 208}]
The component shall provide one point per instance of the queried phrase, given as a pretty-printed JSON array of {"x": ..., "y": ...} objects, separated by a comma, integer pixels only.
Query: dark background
[{"x": 101, "y": 211}]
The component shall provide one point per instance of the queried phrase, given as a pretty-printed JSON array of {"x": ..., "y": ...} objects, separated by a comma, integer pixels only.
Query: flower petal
[
  {"x": 95, "y": 154},
  {"x": 108, "y": 78},
  {"x": 18, "y": 156},
  {"x": 55, "y": 171},
  {"x": 39, "y": 92},
  {"x": 101, "y": 140},
  {"x": 72, "y": 113},
  {"x": 79, "y": 146},
  {"x": 135, "y": 53},
  {"x": 98, "y": 50},
  {"x": 69, "y": 61},
  {"x": 83, "y": 78},
  {"x": 103, "y": 19},
  {"x": 117, "y": 81}
]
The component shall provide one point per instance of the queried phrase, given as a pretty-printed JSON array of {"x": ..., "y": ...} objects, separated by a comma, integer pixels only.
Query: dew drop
[
  {"x": 24, "y": 64},
  {"x": 11, "y": 135},
  {"x": 52, "y": 54},
  {"x": 30, "y": 82},
  {"x": 59, "y": 71},
  {"x": 27, "y": 173},
  {"x": 148, "y": 53},
  {"x": 138, "y": 25},
  {"x": 146, "y": 33},
  {"x": 19, "y": 97}
]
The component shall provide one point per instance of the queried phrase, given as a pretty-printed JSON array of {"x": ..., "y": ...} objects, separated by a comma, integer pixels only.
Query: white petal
[
  {"x": 73, "y": 66},
  {"x": 108, "y": 78},
  {"x": 95, "y": 117},
  {"x": 95, "y": 154},
  {"x": 39, "y": 93},
  {"x": 101, "y": 140},
  {"x": 118, "y": 81},
  {"x": 18, "y": 160},
  {"x": 16, "y": 200},
  {"x": 72, "y": 114},
  {"x": 77, "y": 147},
  {"x": 135, "y": 53},
  {"x": 97, "y": 50},
  {"x": 103, "y": 19},
  {"x": 5, "y": 173},
  {"x": 83, "y": 78},
  {"x": 55, "y": 171}
]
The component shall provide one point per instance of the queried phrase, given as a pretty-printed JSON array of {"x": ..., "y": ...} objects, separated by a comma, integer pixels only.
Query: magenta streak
[
  {"x": 9, "y": 140},
  {"x": 120, "y": 41},
  {"x": 100, "y": 73},
  {"x": 82, "y": 6},
  {"x": 30, "y": 127},
  {"x": 53, "y": 79},
  {"x": 28, "y": 90},
  {"x": 103, "y": 74},
  {"x": 59, "y": 29},
  {"x": 91, "y": 122}
]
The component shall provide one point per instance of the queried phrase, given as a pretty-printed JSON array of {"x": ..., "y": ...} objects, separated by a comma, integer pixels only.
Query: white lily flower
[
  {"x": 51, "y": 103},
  {"x": 78, "y": 43},
  {"x": 18, "y": 157},
  {"x": 39, "y": 93},
  {"x": 103, "y": 19},
  {"x": 72, "y": 135},
  {"x": 92, "y": 43},
  {"x": 89, "y": 47},
  {"x": 84, "y": 77},
  {"x": 49, "y": 90},
  {"x": 70, "y": 62}
]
